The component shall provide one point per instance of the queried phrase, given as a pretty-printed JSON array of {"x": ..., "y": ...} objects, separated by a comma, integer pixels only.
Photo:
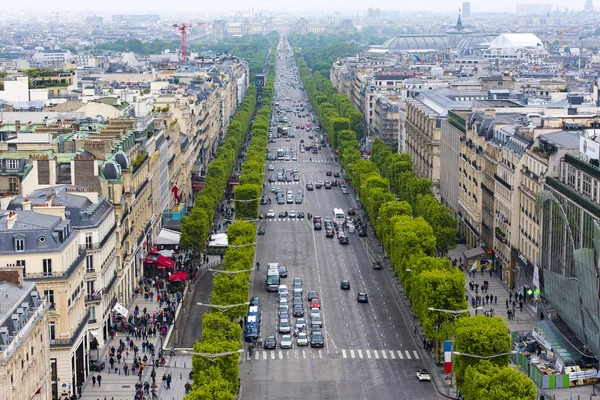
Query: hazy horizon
[{"x": 308, "y": 6}]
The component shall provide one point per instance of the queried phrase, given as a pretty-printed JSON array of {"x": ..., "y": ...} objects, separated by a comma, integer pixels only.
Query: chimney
[
  {"x": 26, "y": 205},
  {"x": 11, "y": 219},
  {"x": 49, "y": 200}
]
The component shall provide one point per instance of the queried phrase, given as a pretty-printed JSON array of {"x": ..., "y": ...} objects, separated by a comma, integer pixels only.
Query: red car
[
  {"x": 328, "y": 173},
  {"x": 314, "y": 303}
]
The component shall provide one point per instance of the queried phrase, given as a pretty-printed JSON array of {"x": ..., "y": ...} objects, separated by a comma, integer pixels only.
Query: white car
[
  {"x": 286, "y": 342},
  {"x": 423, "y": 375},
  {"x": 271, "y": 167},
  {"x": 292, "y": 214},
  {"x": 315, "y": 311},
  {"x": 271, "y": 214},
  {"x": 302, "y": 339},
  {"x": 285, "y": 326}
]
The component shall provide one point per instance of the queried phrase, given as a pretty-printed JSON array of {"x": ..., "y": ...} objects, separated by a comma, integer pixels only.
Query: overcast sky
[{"x": 348, "y": 6}]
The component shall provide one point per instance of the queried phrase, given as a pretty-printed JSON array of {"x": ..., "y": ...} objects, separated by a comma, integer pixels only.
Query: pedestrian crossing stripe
[
  {"x": 346, "y": 354},
  {"x": 283, "y": 220}
]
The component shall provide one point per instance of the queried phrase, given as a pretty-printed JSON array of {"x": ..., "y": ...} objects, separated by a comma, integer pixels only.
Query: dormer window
[
  {"x": 12, "y": 164},
  {"x": 20, "y": 244}
]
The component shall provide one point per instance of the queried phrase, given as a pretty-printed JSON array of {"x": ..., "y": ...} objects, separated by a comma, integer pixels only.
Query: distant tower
[
  {"x": 466, "y": 9},
  {"x": 589, "y": 5}
]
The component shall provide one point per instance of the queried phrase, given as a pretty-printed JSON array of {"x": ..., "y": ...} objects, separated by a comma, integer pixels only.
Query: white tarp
[
  {"x": 121, "y": 310},
  {"x": 166, "y": 253},
  {"x": 168, "y": 237},
  {"x": 218, "y": 240}
]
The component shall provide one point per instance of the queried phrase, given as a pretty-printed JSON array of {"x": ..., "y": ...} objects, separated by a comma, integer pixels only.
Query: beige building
[
  {"x": 43, "y": 242},
  {"x": 25, "y": 368}
]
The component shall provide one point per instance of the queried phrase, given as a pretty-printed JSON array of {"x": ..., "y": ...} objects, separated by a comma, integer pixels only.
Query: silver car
[{"x": 285, "y": 342}]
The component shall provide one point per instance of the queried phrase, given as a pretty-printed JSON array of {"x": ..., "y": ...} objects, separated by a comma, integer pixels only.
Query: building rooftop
[
  {"x": 11, "y": 298},
  {"x": 562, "y": 139}
]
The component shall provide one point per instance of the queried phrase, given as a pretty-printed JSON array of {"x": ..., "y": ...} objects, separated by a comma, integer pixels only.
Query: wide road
[{"x": 369, "y": 351}]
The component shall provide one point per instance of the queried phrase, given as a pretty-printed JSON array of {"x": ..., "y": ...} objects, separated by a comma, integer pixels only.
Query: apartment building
[
  {"x": 41, "y": 240},
  {"x": 385, "y": 118},
  {"x": 26, "y": 371},
  {"x": 453, "y": 132}
]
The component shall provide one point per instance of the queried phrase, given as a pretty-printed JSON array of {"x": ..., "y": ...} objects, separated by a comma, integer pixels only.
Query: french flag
[
  {"x": 417, "y": 59},
  {"x": 448, "y": 357}
]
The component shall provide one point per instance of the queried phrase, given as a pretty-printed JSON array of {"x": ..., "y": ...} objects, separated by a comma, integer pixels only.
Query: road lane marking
[
  {"x": 392, "y": 355},
  {"x": 407, "y": 354},
  {"x": 303, "y": 354},
  {"x": 359, "y": 353},
  {"x": 272, "y": 355},
  {"x": 368, "y": 353},
  {"x": 351, "y": 353},
  {"x": 264, "y": 355},
  {"x": 383, "y": 354},
  {"x": 416, "y": 354},
  {"x": 400, "y": 355},
  {"x": 376, "y": 354},
  {"x": 296, "y": 353},
  {"x": 280, "y": 355},
  {"x": 320, "y": 353}
]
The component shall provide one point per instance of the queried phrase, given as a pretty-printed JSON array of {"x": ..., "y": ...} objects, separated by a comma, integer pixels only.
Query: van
[
  {"x": 253, "y": 311},
  {"x": 274, "y": 266}
]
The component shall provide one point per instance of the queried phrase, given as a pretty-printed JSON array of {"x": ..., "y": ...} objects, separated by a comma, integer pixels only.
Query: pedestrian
[
  {"x": 521, "y": 305},
  {"x": 510, "y": 296},
  {"x": 99, "y": 378},
  {"x": 507, "y": 304},
  {"x": 495, "y": 299},
  {"x": 93, "y": 380},
  {"x": 125, "y": 369}
]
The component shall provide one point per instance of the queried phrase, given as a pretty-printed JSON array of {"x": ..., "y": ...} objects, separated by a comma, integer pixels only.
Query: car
[
  {"x": 298, "y": 310},
  {"x": 329, "y": 233},
  {"x": 362, "y": 232},
  {"x": 318, "y": 184},
  {"x": 351, "y": 211},
  {"x": 294, "y": 158},
  {"x": 310, "y": 187},
  {"x": 423, "y": 375},
  {"x": 297, "y": 299},
  {"x": 283, "y": 214},
  {"x": 342, "y": 238},
  {"x": 272, "y": 179},
  {"x": 292, "y": 214},
  {"x": 254, "y": 301},
  {"x": 317, "y": 226},
  {"x": 97, "y": 365},
  {"x": 334, "y": 183},
  {"x": 280, "y": 200},
  {"x": 285, "y": 326},
  {"x": 300, "y": 324},
  {"x": 270, "y": 342},
  {"x": 285, "y": 342},
  {"x": 283, "y": 272},
  {"x": 362, "y": 297},
  {"x": 284, "y": 313},
  {"x": 296, "y": 177},
  {"x": 315, "y": 303},
  {"x": 271, "y": 214},
  {"x": 316, "y": 340},
  {"x": 290, "y": 199},
  {"x": 302, "y": 339},
  {"x": 300, "y": 214},
  {"x": 328, "y": 173},
  {"x": 315, "y": 328},
  {"x": 283, "y": 295},
  {"x": 344, "y": 190},
  {"x": 327, "y": 185},
  {"x": 377, "y": 265},
  {"x": 345, "y": 285},
  {"x": 313, "y": 295},
  {"x": 351, "y": 228},
  {"x": 317, "y": 320},
  {"x": 315, "y": 311},
  {"x": 336, "y": 174},
  {"x": 271, "y": 167},
  {"x": 297, "y": 282},
  {"x": 261, "y": 231},
  {"x": 298, "y": 199}
]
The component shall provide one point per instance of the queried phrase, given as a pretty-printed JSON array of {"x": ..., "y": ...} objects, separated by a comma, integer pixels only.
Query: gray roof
[
  {"x": 562, "y": 139},
  {"x": 41, "y": 233},
  {"x": 11, "y": 298},
  {"x": 81, "y": 211}
]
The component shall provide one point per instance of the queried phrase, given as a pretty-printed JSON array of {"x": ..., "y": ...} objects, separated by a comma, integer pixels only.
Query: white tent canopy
[
  {"x": 516, "y": 41},
  {"x": 168, "y": 237},
  {"x": 218, "y": 240}
]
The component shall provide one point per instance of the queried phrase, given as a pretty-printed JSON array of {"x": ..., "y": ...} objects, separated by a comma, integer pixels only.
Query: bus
[
  {"x": 280, "y": 154},
  {"x": 338, "y": 216},
  {"x": 284, "y": 132},
  {"x": 273, "y": 280}
]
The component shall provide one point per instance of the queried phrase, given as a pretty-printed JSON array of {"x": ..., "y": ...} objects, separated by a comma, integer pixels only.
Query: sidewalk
[
  {"x": 523, "y": 321},
  {"x": 117, "y": 386}
]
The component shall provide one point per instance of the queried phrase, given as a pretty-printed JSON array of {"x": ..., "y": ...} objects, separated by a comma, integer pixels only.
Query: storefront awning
[
  {"x": 160, "y": 261},
  {"x": 477, "y": 253},
  {"x": 168, "y": 237},
  {"x": 179, "y": 276}
]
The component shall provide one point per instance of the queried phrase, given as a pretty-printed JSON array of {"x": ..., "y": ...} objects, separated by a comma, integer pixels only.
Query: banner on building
[{"x": 121, "y": 310}]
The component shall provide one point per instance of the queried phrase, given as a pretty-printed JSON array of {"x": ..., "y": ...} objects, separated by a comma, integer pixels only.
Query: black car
[
  {"x": 362, "y": 297},
  {"x": 298, "y": 310},
  {"x": 362, "y": 232},
  {"x": 336, "y": 174},
  {"x": 377, "y": 265},
  {"x": 334, "y": 183},
  {"x": 316, "y": 340},
  {"x": 351, "y": 211},
  {"x": 329, "y": 233},
  {"x": 345, "y": 285},
  {"x": 283, "y": 272},
  {"x": 272, "y": 179},
  {"x": 97, "y": 365},
  {"x": 313, "y": 295},
  {"x": 270, "y": 343},
  {"x": 261, "y": 231},
  {"x": 283, "y": 214},
  {"x": 343, "y": 239},
  {"x": 254, "y": 301},
  {"x": 317, "y": 226},
  {"x": 300, "y": 214}
]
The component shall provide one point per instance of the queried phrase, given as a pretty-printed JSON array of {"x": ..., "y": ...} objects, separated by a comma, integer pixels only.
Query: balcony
[
  {"x": 70, "y": 342},
  {"x": 93, "y": 298},
  {"x": 100, "y": 245},
  {"x": 56, "y": 276}
]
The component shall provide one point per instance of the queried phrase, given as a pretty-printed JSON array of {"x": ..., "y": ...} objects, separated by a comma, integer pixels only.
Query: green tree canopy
[{"x": 487, "y": 380}]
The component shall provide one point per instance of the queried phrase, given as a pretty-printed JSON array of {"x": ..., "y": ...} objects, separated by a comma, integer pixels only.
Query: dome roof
[
  {"x": 111, "y": 170},
  {"x": 122, "y": 159}
]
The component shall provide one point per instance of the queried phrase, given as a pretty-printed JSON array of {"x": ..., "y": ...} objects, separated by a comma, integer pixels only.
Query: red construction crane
[{"x": 183, "y": 29}]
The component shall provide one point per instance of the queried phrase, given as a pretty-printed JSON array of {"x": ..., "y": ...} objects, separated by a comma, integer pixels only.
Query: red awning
[
  {"x": 197, "y": 185},
  {"x": 178, "y": 277},
  {"x": 161, "y": 262}
]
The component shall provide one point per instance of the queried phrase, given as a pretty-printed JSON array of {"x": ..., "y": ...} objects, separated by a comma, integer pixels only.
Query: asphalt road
[{"x": 369, "y": 350}]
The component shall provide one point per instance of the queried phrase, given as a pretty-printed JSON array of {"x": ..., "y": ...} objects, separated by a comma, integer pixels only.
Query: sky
[{"x": 346, "y": 6}]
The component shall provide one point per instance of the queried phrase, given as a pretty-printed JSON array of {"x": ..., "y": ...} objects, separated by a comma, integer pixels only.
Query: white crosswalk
[
  {"x": 307, "y": 352},
  {"x": 300, "y": 161},
  {"x": 283, "y": 220}
]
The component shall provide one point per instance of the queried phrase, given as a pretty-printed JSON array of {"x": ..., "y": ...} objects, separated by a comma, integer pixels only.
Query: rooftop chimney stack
[
  {"x": 26, "y": 205},
  {"x": 11, "y": 219}
]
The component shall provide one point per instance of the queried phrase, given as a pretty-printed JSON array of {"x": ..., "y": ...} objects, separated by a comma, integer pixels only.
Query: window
[
  {"x": 21, "y": 263},
  {"x": 12, "y": 164},
  {"x": 88, "y": 240},
  {"x": 52, "y": 331},
  {"x": 20, "y": 244},
  {"x": 47, "y": 267},
  {"x": 13, "y": 184},
  {"x": 89, "y": 263},
  {"x": 49, "y": 294}
]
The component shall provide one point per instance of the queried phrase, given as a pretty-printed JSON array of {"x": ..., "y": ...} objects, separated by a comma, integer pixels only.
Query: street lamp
[
  {"x": 212, "y": 356},
  {"x": 223, "y": 308},
  {"x": 230, "y": 273},
  {"x": 458, "y": 353},
  {"x": 454, "y": 313}
]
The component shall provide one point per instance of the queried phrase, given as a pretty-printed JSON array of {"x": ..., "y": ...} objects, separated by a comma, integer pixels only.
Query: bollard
[
  {"x": 175, "y": 364},
  {"x": 180, "y": 375}
]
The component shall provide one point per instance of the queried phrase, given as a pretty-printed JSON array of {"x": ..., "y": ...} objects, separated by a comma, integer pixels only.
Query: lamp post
[
  {"x": 458, "y": 353},
  {"x": 230, "y": 273},
  {"x": 223, "y": 308},
  {"x": 212, "y": 356},
  {"x": 454, "y": 313}
]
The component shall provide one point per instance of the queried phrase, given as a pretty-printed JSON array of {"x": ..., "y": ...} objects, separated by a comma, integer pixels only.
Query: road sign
[
  {"x": 259, "y": 97},
  {"x": 259, "y": 80}
]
